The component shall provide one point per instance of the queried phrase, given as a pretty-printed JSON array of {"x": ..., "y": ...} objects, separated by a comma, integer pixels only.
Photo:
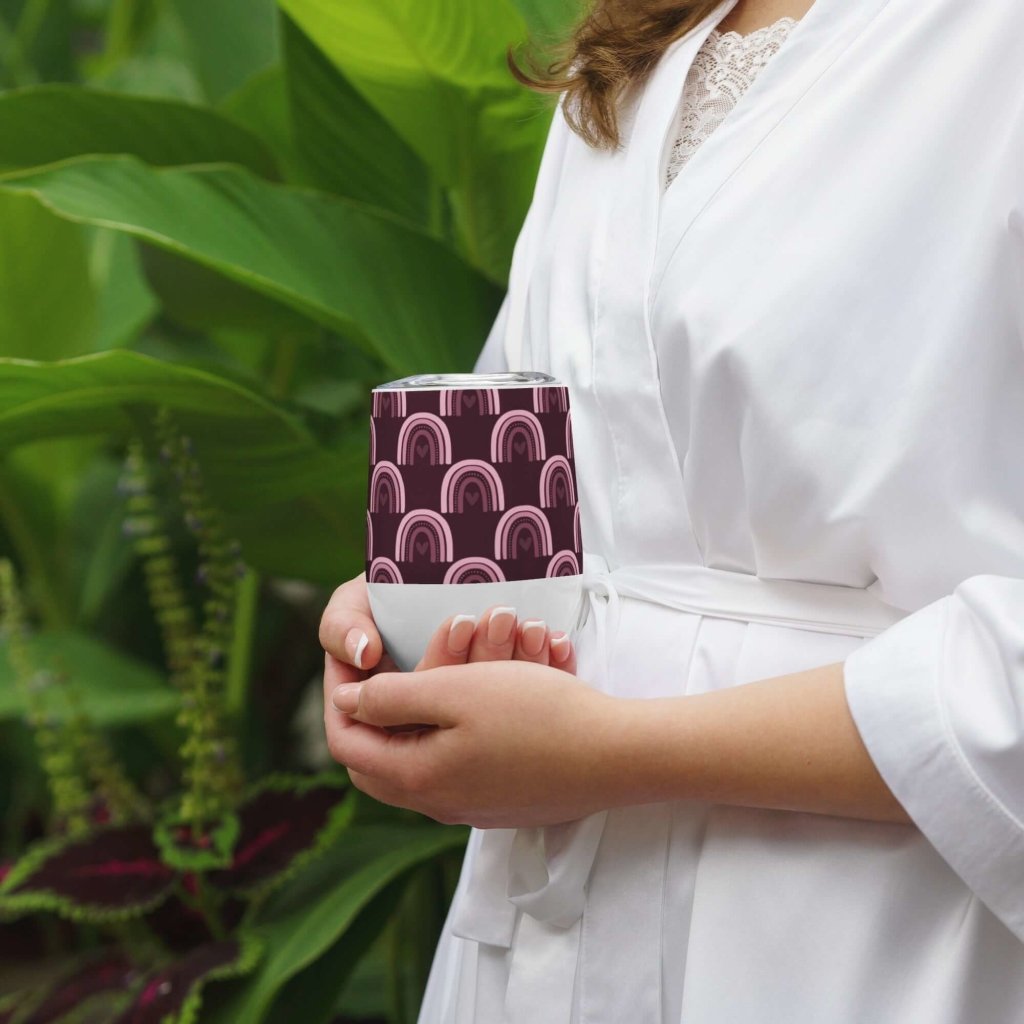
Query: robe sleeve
[
  {"x": 938, "y": 699},
  {"x": 492, "y": 355}
]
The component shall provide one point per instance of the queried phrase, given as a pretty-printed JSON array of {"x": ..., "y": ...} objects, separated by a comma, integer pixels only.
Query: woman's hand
[{"x": 507, "y": 743}]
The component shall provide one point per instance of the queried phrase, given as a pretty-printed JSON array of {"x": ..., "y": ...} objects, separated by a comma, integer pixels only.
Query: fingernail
[
  {"x": 355, "y": 644},
  {"x": 460, "y": 633},
  {"x": 559, "y": 647},
  {"x": 533, "y": 636},
  {"x": 501, "y": 624},
  {"x": 346, "y": 697}
]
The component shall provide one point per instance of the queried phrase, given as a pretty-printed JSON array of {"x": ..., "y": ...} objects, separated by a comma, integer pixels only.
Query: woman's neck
[{"x": 749, "y": 15}]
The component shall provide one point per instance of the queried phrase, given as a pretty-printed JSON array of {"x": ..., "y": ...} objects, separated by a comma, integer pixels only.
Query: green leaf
[
  {"x": 261, "y": 105},
  {"x": 343, "y": 143},
  {"x": 312, "y": 995},
  {"x": 436, "y": 70},
  {"x": 297, "y": 509},
  {"x": 386, "y": 286},
  {"x": 551, "y": 20},
  {"x": 301, "y": 922},
  {"x": 230, "y": 40},
  {"x": 42, "y": 256},
  {"x": 47, "y": 123},
  {"x": 115, "y": 689}
]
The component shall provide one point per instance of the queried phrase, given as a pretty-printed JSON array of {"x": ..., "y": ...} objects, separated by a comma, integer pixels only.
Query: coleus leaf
[
  {"x": 173, "y": 993},
  {"x": 112, "y": 971},
  {"x": 185, "y": 851},
  {"x": 285, "y": 820},
  {"x": 111, "y": 874}
]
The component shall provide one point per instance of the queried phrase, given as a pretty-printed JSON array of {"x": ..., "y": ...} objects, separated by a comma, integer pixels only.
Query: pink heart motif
[
  {"x": 560, "y": 488},
  {"x": 520, "y": 447},
  {"x": 471, "y": 398},
  {"x": 421, "y": 449},
  {"x": 421, "y": 546},
  {"x": 525, "y": 541},
  {"x": 472, "y": 497}
]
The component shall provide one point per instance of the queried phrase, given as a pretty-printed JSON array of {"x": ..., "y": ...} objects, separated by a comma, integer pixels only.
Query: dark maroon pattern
[
  {"x": 114, "y": 971},
  {"x": 113, "y": 869},
  {"x": 164, "y": 992},
  {"x": 276, "y": 826},
  {"x": 471, "y": 485}
]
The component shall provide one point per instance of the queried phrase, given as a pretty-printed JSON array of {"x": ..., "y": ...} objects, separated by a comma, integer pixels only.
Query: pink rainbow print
[
  {"x": 522, "y": 532},
  {"x": 424, "y": 434},
  {"x": 470, "y": 401},
  {"x": 564, "y": 563},
  {"x": 515, "y": 433},
  {"x": 383, "y": 570},
  {"x": 424, "y": 532},
  {"x": 387, "y": 488},
  {"x": 556, "y": 483},
  {"x": 472, "y": 485},
  {"x": 474, "y": 569}
]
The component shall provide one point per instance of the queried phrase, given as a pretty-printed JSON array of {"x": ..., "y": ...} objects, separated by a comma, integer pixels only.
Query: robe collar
[{"x": 815, "y": 43}]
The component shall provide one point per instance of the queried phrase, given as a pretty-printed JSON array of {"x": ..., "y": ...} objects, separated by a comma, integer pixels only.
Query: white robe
[{"x": 805, "y": 361}]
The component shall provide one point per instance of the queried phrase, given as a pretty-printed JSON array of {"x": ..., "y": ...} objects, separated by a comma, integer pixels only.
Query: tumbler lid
[{"x": 510, "y": 379}]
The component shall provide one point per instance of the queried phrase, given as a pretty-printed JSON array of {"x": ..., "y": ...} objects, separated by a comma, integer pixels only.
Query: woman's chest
[{"x": 828, "y": 273}]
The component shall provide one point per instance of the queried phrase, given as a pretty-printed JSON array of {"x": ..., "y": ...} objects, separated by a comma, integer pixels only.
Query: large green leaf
[
  {"x": 550, "y": 21},
  {"x": 436, "y": 70},
  {"x": 230, "y": 40},
  {"x": 303, "y": 921},
  {"x": 115, "y": 689},
  {"x": 383, "y": 284},
  {"x": 343, "y": 143},
  {"x": 297, "y": 508},
  {"x": 47, "y": 303},
  {"x": 53, "y": 122}
]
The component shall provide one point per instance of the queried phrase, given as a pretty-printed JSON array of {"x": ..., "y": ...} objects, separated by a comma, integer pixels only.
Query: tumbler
[{"x": 471, "y": 502}]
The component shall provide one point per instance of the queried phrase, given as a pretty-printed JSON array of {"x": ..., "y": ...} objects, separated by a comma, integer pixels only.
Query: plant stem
[{"x": 240, "y": 656}]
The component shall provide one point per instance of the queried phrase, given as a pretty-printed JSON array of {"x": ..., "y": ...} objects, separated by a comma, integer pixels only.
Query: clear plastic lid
[{"x": 512, "y": 379}]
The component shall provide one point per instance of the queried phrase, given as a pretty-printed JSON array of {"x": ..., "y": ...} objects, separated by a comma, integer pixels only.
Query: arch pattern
[
  {"x": 564, "y": 563},
  {"x": 557, "y": 489},
  {"x": 474, "y": 569},
  {"x": 424, "y": 535},
  {"x": 389, "y": 403},
  {"x": 516, "y": 433},
  {"x": 472, "y": 485},
  {"x": 550, "y": 399},
  {"x": 522, "y": 532},
  {"x": 383, "y": 570},
  {"x": 424, "y": 436},
  {"x": 387, "y": 488},
  {"x": 469, "y": 401}
]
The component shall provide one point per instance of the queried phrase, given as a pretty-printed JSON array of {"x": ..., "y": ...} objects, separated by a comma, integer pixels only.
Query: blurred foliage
[{"x": 222, "y": 224}]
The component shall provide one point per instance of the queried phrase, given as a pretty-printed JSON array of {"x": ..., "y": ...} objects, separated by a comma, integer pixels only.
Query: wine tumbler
[{"x": 471, "y": 502}]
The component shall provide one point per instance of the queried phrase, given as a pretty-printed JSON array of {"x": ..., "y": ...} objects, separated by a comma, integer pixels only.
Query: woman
[{"x": 791, "y": 786}]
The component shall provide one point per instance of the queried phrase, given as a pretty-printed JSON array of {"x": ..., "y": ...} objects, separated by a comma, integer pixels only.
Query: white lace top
[{"x": 721, "y": 72}]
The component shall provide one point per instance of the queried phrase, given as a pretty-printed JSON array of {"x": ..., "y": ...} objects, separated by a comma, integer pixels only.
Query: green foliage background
[{"x": 250, "y": 214}]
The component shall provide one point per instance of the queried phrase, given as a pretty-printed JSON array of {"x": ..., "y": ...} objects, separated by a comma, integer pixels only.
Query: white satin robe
[{"x": 803, "y": 362}]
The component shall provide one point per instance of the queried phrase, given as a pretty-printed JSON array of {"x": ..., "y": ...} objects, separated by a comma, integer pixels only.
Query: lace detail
[{"x": 721, "y": 72}]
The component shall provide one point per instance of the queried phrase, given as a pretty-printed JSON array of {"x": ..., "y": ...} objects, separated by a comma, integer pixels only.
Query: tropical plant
[{"x": 220, "y": 226}]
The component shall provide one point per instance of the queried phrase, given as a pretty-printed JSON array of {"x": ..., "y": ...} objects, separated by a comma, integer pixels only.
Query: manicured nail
[
  {"x": 355, "y": 644},
  {"x": 501, "y": 624},
  {"x": 460, "y": 633},
  {"x": 533, "y": 636},
  {"x": 346, "y": 697},
  {"x": 559, "y": 647}
]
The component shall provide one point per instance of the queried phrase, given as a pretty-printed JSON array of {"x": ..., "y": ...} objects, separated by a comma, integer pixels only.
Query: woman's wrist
[{"x": 786, "y": 743}]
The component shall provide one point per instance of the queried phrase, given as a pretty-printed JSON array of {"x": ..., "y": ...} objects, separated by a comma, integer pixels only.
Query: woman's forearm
[{"x": 788, "y": 742}]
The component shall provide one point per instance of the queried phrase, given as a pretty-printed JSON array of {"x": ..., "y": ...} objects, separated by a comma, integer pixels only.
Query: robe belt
[{"x": 543, "y": 871}]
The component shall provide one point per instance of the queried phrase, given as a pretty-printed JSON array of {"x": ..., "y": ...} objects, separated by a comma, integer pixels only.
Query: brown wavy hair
[{"x": 611, "y": 50}]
